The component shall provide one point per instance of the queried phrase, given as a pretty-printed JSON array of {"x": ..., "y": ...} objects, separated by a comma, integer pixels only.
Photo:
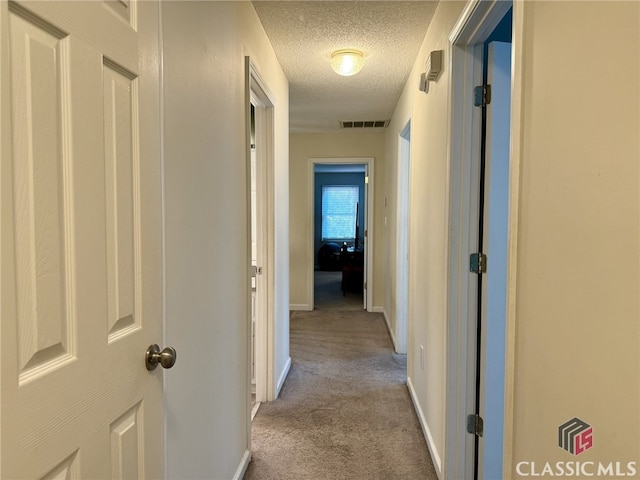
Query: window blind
[{"x": 339, "y": 206}]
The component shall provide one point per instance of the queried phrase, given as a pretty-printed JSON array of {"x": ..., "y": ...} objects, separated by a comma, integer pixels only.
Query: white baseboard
[
  {"x": 283, "y": 377},
  {"x": 254, "y": 410},
  {"x": 386, "y": 322},
  {"x": 435, "y": 456},
  {"x": 303, "y": 307},
  {"x": 242, "y": 468}
]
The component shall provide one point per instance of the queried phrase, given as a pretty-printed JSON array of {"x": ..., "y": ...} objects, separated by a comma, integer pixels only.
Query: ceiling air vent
[{"x": 364, "y": 124}]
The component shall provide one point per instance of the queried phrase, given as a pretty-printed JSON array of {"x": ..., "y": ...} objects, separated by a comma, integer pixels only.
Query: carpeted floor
[
  {"x": 328, "y": 293},
  {"x": 344, "y": 411}
]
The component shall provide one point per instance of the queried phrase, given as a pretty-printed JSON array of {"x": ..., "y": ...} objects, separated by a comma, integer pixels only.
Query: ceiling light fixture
[{"x": 347, "y": 62}]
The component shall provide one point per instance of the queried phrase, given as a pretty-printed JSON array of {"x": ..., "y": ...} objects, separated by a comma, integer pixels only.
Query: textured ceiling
[{"x": 303, "y": 35}]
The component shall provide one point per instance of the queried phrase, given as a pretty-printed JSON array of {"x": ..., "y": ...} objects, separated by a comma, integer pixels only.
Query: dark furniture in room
[
  {"x": 329, "y": 257},
  {"x": 352, "y": 261}
]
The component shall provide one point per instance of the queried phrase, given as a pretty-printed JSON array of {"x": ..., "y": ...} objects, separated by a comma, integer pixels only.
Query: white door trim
[
  {"x": 260, "y": 96},
  {"x": 474, "y": 25},
  {"x": 517, "y": 101},
  {"x": 165, "y": 419},
  {"x": 368, "y": 161}
]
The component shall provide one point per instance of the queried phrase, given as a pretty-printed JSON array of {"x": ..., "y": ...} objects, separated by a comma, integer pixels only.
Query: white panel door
[
  {"x": 254, "y": 266},
  {"x": 81, "y": 263}
]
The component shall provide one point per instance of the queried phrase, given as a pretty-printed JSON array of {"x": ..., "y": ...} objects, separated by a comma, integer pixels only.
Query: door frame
[
  {"x": 368, "y": 162},
  {"x": 260, "y": 96},
  {"x": 475, "y": 24}
]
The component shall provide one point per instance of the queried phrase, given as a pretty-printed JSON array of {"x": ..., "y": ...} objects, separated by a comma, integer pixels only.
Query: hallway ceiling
[{"x": 303, "y": 35}]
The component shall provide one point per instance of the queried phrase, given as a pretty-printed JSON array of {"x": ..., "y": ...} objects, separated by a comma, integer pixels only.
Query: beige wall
[
  {"x": 207, "y": 265},
  {"x": 574, "y": 333},
  {"x": 576, "y": 324},
  {"x": 338, "y": 145},
  {"x": 427, "y": 231}
]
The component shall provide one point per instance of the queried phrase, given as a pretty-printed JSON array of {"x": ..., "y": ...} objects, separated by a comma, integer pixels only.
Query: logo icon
[{"x": 575, "y": 436}]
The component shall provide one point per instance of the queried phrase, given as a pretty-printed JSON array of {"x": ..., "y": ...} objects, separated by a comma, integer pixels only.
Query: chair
[{"x": 352, "y": 270}]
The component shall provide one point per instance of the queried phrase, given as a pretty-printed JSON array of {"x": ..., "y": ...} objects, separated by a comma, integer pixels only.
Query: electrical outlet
[{"x": 421, "y": 357}]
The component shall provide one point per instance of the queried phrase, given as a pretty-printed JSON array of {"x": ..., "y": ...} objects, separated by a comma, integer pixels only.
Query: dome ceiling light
[{"x": 347, "y": 62}]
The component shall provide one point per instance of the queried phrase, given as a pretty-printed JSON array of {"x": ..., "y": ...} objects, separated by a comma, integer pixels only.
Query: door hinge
[
  {"x": 475, "y": 425},
  {"x": 366, "y": 233},
  {"x": 255, "y": 270},
  {"x": 365, "y": 285},
  {"x": 482, "y": 95},
  {"x": 478, "y": 263}
]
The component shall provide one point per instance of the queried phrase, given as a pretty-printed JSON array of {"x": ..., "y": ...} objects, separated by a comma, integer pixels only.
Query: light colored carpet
[{"x": 344, "y": 411}]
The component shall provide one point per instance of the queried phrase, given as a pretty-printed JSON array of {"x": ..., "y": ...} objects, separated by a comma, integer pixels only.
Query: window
[{"x": 339, "y": 210}]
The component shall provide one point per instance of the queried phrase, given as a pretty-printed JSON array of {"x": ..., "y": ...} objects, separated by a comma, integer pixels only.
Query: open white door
[
  {"x": 255, "y": 271},
  {"x": 81, "y": 256},
  {"x": 496, "y": 210},
  {"x": 262, "y": 234}
]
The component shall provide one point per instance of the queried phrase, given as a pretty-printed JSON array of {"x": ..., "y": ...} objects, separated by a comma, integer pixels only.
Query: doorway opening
[
  {"x": 255, "y": 267},
  {"x": 260, "y": 157},
  {"x": 339, "y": 224},
  {"x": 402, "y": 238},
  {"x": 480, "y": 193},
  {"x": 492, "y": 242},
  {"x": 340, "y": 191}
]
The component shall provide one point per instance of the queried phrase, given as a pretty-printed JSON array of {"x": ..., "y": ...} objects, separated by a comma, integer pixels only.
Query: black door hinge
[
  {"x": 478, "y": 263},
  {"x": 482, "y": 95},
  {"x": 475, "y": 425}
]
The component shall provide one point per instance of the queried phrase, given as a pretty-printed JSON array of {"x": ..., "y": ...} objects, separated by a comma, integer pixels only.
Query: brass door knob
[{"x": 166, "y": 357}]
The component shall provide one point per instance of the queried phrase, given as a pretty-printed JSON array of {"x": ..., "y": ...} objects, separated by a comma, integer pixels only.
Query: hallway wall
[
  {"x": 573, "y": 329},
  {"x": 206, "y": 225},
  {"x": 428, "y": 234},
  {"x": 337, "y": 145}
]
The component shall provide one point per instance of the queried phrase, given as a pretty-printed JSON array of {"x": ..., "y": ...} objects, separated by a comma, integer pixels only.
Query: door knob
[{"x": 166, "y": 357}]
